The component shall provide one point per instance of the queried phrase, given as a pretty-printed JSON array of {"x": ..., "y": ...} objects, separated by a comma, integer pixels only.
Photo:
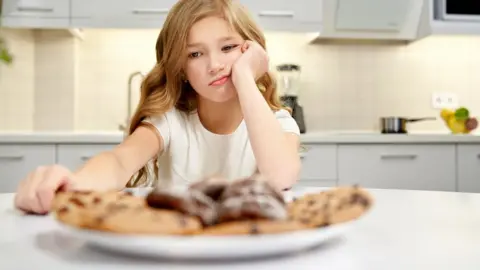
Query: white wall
[
  {"x": 345, "y": 87},
  {"x": 17, "y": 82}
]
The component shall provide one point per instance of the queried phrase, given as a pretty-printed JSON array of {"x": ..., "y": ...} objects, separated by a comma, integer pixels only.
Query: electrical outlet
[{"x": 444, "y": 100}]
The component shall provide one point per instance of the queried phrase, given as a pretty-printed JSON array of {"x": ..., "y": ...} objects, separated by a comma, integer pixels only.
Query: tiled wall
[
  {"x": 17, "y": 82},
  {"x": 345, "y": 86}
]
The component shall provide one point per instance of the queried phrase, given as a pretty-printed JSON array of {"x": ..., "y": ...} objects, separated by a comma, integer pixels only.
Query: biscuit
[
  {"x": 119, "y": 213},
  {"x": 334, "y": 206},
  {"x": 254, "y": 227},
  {"x": 191, "y": 202}
]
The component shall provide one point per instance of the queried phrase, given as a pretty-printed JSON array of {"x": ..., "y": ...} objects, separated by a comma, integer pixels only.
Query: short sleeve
[
  {"x": 287, "y": 122},
  {"x": 161, "y": 125}
]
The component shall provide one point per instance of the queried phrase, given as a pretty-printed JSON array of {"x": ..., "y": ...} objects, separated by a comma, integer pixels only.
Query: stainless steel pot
[{"x": 398, "y": 125}]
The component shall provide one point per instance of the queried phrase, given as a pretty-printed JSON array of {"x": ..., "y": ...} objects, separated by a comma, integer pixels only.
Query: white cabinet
[
  {"x": 16, "y": 161},
  {"x": 74, "y": 156},
  {"x": 120, "y": 13},
  {"x": 468, "y": 168},
  {"x": 36, "y": 13},
  {"x": 319, "y": 165},
  {"x": 417, "y": 167},
  {"x": 286, "y": 15}
]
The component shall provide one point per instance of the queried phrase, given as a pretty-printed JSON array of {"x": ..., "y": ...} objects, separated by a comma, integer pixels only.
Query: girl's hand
[{"x": 253, "y": 63}]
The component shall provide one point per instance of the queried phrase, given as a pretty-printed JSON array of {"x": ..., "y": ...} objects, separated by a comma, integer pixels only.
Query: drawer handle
[
  {"x": 11, "y": 158},
  {"x": 276, "y": 13},
  {"x": 151, "y": 11},
  {"x": 398, "y": 156},
  {"x": 85, "y": 158},
  {"x": 34, "y": 9}
]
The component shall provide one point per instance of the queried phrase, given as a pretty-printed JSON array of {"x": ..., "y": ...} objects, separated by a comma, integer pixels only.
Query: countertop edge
[{"x": 309, "y": 138}]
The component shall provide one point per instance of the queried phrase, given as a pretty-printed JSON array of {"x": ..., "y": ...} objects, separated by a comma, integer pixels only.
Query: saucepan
[{"x": 398, "y": 125}]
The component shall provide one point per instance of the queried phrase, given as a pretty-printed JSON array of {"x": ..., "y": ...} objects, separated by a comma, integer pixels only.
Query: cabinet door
[
  {"x": 35, "y": 13},
  {"x": 416, "y": 167},
  {"x": 120, "y": 13},
  {"x": 319, "y": 162},
  {"x": 74, "y": 156},
  {"x": 17, "y": 161},
  {"x": 468, "y": 171},
  {"x": 286, "y": 15}
]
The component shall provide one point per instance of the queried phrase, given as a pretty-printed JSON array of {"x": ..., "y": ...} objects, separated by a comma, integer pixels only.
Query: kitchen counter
[
  {"x": 405, "y": 230},
  {"x": 311, "y": 137}
]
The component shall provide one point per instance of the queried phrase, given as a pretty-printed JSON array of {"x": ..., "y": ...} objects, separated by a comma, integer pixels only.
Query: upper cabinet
[
  {"x": 272, "y": 15},
  {"x": 286, "y": 15},
  {"x": 35, "y": 13},
  {"x": 120, "y": 13}
]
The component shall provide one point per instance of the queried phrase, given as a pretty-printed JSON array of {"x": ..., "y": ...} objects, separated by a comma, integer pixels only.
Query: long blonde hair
[{"x": 164, "y": 88}]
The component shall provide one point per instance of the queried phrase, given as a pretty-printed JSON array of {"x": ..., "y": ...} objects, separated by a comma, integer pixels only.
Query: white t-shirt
[{"x": 191, "y": 152}]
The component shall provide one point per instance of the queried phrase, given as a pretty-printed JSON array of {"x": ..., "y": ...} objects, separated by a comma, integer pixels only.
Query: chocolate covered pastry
[{"x": 191, "y": 202}]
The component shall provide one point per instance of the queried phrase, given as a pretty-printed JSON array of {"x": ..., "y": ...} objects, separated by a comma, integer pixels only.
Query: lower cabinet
[
  {"x": 17, "y": 161},
  {"x": 468, "y": 168},
  {"x": 415, "y": 166}
]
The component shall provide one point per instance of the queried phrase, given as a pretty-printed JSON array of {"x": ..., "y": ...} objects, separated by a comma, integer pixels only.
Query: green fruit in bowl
[{"x": 462, "y": 114}]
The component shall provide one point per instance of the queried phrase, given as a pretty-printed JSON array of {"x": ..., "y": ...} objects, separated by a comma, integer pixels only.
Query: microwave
[{"x": 458, "y": 10}]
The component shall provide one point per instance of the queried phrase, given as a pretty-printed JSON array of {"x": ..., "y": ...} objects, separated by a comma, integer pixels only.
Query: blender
[{"x": 288, "y": 82}]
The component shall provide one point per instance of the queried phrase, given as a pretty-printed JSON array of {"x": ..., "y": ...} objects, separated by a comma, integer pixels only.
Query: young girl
[{"x": 208, "y": 107}]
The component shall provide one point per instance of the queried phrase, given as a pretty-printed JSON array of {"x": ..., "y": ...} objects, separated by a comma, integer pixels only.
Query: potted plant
[{"x": 5, "y": 55}]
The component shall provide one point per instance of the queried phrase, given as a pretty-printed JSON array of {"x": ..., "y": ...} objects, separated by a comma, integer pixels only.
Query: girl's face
[{"x": 213, "y": 47}]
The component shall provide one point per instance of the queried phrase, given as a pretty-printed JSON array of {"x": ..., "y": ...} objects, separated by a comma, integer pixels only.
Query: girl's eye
[
  {"x": 194, "y": 55},
  {"x": 229, "y": 47}
]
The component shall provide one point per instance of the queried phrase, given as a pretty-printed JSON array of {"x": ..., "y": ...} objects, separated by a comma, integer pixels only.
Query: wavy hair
[{"x": 164, "y": 88}]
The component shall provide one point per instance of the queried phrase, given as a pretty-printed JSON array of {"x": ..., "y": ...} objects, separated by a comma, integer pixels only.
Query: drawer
[
  {"x": 74, "y": 156},
  {"x": 36, "y": 8},
  {"x": 17, "y": 161},
  {"x": 416, "y": 167},
  {"x": 283, "y": 15},
  {"x": 319, "y": 162},
  {"x": 468, "y": 172}
]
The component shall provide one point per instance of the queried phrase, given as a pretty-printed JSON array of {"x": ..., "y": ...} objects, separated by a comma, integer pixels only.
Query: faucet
[{"x": 123, "y": 127}]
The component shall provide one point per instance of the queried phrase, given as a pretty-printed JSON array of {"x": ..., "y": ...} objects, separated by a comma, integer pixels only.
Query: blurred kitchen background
[{"x": 76, "y": 78}]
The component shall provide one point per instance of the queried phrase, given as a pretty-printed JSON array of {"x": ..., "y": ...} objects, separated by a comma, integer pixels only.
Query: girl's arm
[
  {"x": 113, "y": 169},
  {"x": 276, "y": 151}
]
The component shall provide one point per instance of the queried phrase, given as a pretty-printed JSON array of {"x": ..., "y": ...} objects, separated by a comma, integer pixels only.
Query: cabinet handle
[
  {"x": 277, "y": 13},
  {"x": 11, "y": 158},
  {"x": 35, "y": 9},
  {"x": 398, "y": 156},
  {"x": 151, "y": 11},
  {"x": 85, "y": 158}
]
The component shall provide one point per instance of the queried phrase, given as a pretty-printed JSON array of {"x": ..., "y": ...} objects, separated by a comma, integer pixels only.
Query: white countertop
[
  {"x": 405, "y": 230},
  {"x": 102, "y": 137}
]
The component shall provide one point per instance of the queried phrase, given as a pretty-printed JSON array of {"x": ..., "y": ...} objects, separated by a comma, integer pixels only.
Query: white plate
[{"x": 209, "y": 247}]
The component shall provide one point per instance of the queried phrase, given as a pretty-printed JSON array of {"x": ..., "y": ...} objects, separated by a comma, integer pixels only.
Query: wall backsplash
[{"x": 60, "y": 83}]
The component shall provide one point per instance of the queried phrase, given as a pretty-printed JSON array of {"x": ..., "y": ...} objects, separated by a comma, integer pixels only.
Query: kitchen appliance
[
  {"x": 458, "y": 10},
  {"x": 398, "y": 125},
  {"x": 288, "y": 82},
  {"x": 374, "y": 20}
]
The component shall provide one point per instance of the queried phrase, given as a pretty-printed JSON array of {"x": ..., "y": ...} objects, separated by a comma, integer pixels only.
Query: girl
[{"x": 208, "y": 106}]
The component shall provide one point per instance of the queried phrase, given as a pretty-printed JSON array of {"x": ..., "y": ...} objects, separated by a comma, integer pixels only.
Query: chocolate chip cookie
[
  {"x": 120, "y": 213},
  {"x": 254, "y": 227},
  {"x": 333, "y": 206}
]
